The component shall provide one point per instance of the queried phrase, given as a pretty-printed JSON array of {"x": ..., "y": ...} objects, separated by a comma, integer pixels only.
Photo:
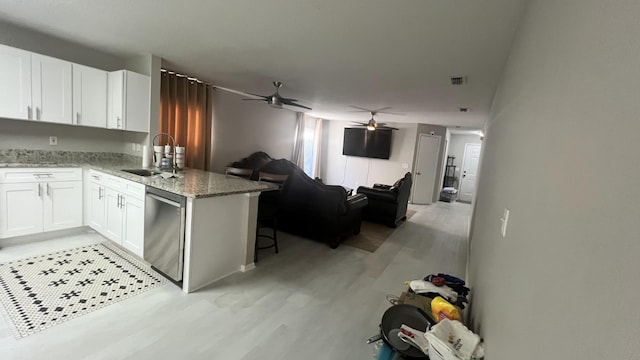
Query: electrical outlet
[
  {"x": 53, "y": 140},
  {"x": 504, "y": 221}
]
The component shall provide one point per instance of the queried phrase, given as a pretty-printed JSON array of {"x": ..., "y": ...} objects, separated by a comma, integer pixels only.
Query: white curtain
[
  {"x": 297, "y": 156},
  {"x": 317, "y": 148}
]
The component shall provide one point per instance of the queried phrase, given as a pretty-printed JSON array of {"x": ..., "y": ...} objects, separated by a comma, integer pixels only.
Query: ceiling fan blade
[
  {"x": 257, "y": 99},
  {"x": 360, "y": 109},
  {"x": 238, "y": 92},
  {"x": 287, "y": 99},
  {"x": 383, "y": 127},
  {"x": 380, "y": 109},
  {"x": 290, "y": 103},
  {"x": 389, "y": 112},
  {"x": 257, "y": 95}
]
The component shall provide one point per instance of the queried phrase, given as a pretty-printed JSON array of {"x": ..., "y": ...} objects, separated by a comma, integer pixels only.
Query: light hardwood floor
[{"x": 308, "y": 302}]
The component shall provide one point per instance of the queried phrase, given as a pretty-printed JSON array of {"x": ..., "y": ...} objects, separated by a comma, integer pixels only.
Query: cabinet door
[
  {"x": 15, "y": 83},
  {"x": 113, "y": 216},
  {"x": 97, "y": 208},
  {"x": 115, "y": 119},
  {"x": 89, "y": 96},
  {"x": 137, "y": 101},
  {"x": 51, "y": 89},
  {"x": 133, "y": 236},
  {"x": 129, "y": 101},
  {"x": 20, "y": 209},
  {"x": 62, "y": 205}
]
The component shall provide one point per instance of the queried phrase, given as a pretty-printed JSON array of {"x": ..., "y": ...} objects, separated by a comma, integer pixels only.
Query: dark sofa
[
  {"x": 387, "y": 204},
  {"x": 307, "y": 207}
]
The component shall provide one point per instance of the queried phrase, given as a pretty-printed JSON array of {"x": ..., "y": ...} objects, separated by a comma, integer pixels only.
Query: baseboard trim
[
  {"x": 248, "y": 267},
  {"x": 32, "y": 238}
]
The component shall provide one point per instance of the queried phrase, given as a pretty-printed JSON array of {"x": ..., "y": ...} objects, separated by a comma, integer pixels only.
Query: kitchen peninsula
[
  {"x": 220, "y": 220},
  {"x": 220, "y": 223}
]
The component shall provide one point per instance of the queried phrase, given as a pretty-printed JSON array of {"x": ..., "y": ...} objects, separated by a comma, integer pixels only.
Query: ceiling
[{"x": 329, "y": 53}]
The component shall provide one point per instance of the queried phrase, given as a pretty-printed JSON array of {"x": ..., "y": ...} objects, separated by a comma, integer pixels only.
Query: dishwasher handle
[{"x": 166, "y": 201}]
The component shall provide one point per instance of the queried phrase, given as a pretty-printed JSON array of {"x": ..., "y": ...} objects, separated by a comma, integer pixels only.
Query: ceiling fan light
[{"x": 372, "y": 125}]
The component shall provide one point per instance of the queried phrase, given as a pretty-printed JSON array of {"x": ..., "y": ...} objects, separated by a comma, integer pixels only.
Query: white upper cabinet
[
  {"x": 15, "y": 83},
  {"x": 89, "y": 96},
  {"x": 51, "y": 89},
  {"x": 129, "y": 101},
  {"x": 42, "y": 88}
]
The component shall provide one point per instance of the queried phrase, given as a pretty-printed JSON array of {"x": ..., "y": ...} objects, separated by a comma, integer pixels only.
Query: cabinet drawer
[
  {"x": 133, "y": 189},
  {"x": 23, "y": 175}
]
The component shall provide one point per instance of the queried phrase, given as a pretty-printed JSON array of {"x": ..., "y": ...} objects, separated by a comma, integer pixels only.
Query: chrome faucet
[{"x": 173, "y": 150}]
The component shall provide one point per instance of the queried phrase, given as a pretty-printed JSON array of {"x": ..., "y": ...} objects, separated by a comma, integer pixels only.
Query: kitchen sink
[{"x": 141, "y": 172}]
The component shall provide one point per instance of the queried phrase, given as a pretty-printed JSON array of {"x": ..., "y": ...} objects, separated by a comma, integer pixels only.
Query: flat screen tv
[{"x": 366, "y": 143}]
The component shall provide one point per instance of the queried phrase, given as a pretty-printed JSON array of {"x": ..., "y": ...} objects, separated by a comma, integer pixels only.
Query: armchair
[{"x": 387, "y": 204}]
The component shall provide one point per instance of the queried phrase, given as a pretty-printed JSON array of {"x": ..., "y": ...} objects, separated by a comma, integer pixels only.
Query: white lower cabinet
[
  {"x": 20, "y": 209},
  {"x": 133, "y": 227},
  {"x": 95, "y": 211},
  {"x": 38, "y": 200},
  {"x": 117, "y": 210}
]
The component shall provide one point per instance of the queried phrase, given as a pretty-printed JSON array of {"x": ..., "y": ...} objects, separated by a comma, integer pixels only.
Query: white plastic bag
[{"x": 451, "y": 340}]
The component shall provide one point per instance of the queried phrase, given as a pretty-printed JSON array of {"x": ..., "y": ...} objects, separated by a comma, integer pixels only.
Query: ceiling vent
[{"x": 458, "y": 80}]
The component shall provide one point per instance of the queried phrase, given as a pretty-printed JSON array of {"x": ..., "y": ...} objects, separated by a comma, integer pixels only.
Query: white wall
[
  {"x": 243, "y": 127},
  {"x": 561, "y": 153},
  {"x": 353, "y": 171}
]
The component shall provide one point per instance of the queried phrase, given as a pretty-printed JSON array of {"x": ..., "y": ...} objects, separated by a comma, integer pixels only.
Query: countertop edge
[{"x": 193, "y": 174}]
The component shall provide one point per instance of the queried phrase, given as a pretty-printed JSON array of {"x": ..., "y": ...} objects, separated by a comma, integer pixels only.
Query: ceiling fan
[
  {"x": 373, "y": 124},
  {"x": 275, "y": 100}
]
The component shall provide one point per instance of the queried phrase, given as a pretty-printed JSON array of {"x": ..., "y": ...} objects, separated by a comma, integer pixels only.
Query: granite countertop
[{"x": 191, "y": 183}]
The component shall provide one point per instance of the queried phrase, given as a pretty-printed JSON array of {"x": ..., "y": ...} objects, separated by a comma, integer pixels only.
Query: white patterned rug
[{"x": 43, "y": 291}]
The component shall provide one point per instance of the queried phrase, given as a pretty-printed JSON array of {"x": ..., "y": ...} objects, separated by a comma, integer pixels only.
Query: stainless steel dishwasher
[{"x": 164, "y": 222}]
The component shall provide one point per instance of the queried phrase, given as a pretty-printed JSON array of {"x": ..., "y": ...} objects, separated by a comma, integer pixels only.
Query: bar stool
[{"x": 268, "y": 211}]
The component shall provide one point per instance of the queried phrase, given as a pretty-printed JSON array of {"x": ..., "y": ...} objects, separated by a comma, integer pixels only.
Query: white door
[
  {"x": 62, "y": 205},
  {"x": 89, "y": 96},
  {"x": 113, "y": 216},
  {"x": 15, "y": 83},
  {"x": 133, "y": 237},
  {"x": 469, "y": 171},
  {"x": 426, "y": 169},
  {"x": 51, "y": 89},
  {"x": 20, "y": 209}
]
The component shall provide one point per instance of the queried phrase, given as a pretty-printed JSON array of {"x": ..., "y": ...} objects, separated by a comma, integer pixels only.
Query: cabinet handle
[
  {"x": 29, "y": 112},
  {"x": 118, "y": 125},
  {"x": 39, "y": 190},
  {"x": 37, "y": 113},
  {"x": 95, "y": 177},
  {"x": 77, "y": 118},
  {"x": 48, "y": 190},
  {"x": 122, "y": 202},
  {"x": 100, "y": 193}
]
